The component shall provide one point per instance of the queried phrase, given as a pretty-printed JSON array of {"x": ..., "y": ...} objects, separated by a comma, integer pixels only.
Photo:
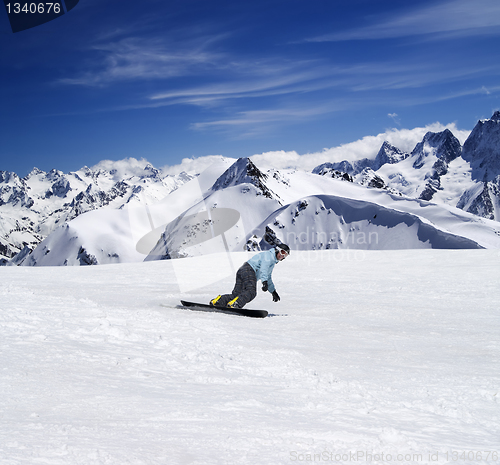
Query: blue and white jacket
[{"x": 263, "y": 265}]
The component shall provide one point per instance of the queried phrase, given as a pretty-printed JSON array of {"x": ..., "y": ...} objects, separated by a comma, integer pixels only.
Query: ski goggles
[{"x": 283, "y": 253}]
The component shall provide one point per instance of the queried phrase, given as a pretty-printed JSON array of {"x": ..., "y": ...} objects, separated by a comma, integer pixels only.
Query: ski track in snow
[{"x": 392, "y": 352}]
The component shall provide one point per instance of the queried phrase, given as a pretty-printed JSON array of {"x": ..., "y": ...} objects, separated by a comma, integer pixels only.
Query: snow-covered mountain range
[
  {"x": 34, "y": 206},
  {"x": 441, "y": 195},
  {"x": 438, "y": 169}
]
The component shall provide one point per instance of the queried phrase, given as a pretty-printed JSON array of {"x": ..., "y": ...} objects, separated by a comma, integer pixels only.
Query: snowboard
[{"x": 231, "y": 311}]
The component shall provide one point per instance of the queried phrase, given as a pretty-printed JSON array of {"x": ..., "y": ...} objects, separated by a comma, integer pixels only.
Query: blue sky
[{"x": 167, "y": 80}]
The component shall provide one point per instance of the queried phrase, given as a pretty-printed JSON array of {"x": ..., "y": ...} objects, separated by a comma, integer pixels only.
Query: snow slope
[{"x": 368, "y": 353}]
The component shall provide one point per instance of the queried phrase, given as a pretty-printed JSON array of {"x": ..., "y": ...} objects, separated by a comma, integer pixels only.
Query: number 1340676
[{"x": 33, "y": 8}]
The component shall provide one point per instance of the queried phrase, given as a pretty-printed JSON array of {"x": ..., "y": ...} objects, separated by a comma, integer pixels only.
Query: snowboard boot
[{"x": 213, "y": 302}]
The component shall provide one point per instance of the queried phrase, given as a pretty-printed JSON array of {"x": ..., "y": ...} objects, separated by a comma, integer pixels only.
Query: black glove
[
  {"x": 276, "y": 297},
  {"x": 264, "y": 286}
]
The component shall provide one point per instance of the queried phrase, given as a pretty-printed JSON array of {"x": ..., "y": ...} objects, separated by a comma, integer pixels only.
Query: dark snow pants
[{"x": 245, "y": 288}]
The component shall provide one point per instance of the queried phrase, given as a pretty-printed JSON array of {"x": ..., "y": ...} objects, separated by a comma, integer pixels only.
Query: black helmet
[{"x": 283, "y": 247}]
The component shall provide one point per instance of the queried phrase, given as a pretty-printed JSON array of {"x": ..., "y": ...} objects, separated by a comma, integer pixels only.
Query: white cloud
[
  {"x": 395, "y": 118},
  {"x": 367, "y": 147},
  {"x": 451, "y": 18},
  {"x": 123, "y": 168},
  {"x": 135, "y": 58},
  {"x": 262, "y": 118},
  {"x": 192, "y": 165}
]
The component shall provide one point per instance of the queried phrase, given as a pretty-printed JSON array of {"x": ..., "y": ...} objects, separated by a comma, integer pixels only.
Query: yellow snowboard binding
[
  {"x": 213, "y": 302},
  {"x": 233, "y": 303}
]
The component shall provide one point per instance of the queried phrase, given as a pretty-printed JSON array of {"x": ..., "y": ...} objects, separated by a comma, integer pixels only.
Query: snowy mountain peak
[
  {"x": 7, "y": 177},
  {"x": 370, "y": 178},
  {"x": 496, "y": 116},
  {"x": 54, "y": 175},
  {"x": 441, "y": 145},
  {"x": 34, "y": 172},
  {"x": 151, "y": 172},
  {"x": 329, "y": 171},
  {"x": 326, "y": 168},
  {"x": 13, "y": 190},
  {"x": 482, "y": 149},
  {"x": 351, "y": 168},
  {"x": 61, "y": 187},
  {"x": 244, "y": 171},
  {"x": 388, "y": 154}
]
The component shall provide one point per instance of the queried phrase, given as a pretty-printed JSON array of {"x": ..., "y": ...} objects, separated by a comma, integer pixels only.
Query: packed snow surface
[{"x": 369, "y": 357}]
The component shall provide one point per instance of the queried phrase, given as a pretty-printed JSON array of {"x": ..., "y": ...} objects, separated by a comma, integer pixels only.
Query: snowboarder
[{"x": 258, "y": 268}]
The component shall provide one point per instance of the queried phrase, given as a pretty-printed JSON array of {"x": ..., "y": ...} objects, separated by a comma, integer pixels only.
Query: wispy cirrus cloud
[
  {"x": 253, "y": 93},
  {"x": 273, "y": 81},
  {"x": 260, "y": 117},
  {"x": 316, "y": 77},
  {"x": 136, "y": 58},
  {"x": 421, "y": 73},
  {"x": 453, "y": 18},
  {"x": 224, "y": 75}
]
